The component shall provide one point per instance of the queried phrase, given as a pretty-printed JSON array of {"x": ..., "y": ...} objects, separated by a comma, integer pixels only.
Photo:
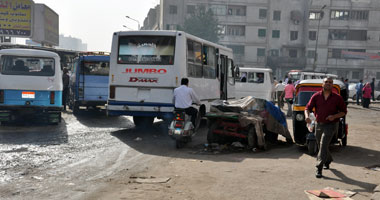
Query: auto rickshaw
[{"x": 304, "y": 90}]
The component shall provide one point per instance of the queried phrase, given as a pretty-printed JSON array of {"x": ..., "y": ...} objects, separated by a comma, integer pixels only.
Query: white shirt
[
  {"x": 280, "y": 87},
  {"x": 184, "y": 97}
]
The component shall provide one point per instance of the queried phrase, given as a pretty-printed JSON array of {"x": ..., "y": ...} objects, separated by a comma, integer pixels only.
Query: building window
[
  {"x": 340, "y": 34},
  {"x": 293, "y": 53},
  {"x": 293, "y": 35},
  {"x": 311, "y": 54},
  {"x": 315, "y": 15},
  {"x": 340, "y": 53},
  {"x": 237, "y": 10},
  {"x": 276, "y": 15},
  {"x": 235, "y": 30},
  {"x": 172, "y": 9},
  {"x": 275, "y": 34},
  {"x": 260, "y": 52},
  {"x": 221, "y": 29},
  {"x": 262, "y": 13},
  {"x": 339, "y": 15},
  {"x": 219, "y": 9},
  {"x": 237, "y": 49},
  {"x": 190, "y": 9},
  {"x": 377, "y": 75},
  {"x": 171, "y": 26},
  {"x": 312, "y": 35},
  {"x": 274, "y": 52},
  {"x": 359, "y": 14},
  {"x": 355, "y": 75},
  {"x": 262, "y": 33}
]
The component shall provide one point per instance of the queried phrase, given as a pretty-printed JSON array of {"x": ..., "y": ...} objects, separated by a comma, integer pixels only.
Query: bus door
[{"x": 223, "y": 76}]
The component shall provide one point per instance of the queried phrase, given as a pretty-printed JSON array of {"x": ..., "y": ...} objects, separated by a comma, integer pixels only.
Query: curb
[{"x": 376, "y": 193}]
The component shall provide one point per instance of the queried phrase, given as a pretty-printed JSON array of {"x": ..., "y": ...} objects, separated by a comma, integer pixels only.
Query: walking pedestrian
[
  {"x": 359, "y": 89},
  {"x": 367, "y": 92},
  {"x": 65, "y": 80},
  {"x": 288, "y": 93},
  {"x": 329, "y": 108},
  {"x": 280, "y": 87},
  {"x": 347, "y": 89},
  {"x": 373, "y": 89}
]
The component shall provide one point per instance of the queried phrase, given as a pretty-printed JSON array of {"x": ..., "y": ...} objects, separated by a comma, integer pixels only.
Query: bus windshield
[
  {"x": 153, "y": 50},
  {"x": 27, "y": 66},
  {"x": 96, "y": 68}
]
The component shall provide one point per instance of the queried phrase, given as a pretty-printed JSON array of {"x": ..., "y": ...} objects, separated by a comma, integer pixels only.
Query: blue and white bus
[
  {"x": 30, "y": 85},
  {"x": 89, "y": 81},
  {"x": 146, "y": 67}
]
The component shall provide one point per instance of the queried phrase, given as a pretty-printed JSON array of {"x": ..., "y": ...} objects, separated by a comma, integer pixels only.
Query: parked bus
[
  {"x": 256, "y": 82},
  {"x": 89, "y": 82},
  {"x": 146, "y": 67},
  {"x": 30, "y": 85}
]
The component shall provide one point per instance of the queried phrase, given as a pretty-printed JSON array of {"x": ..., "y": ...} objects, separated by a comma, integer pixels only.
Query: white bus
[{"x": 146, "y": 67}]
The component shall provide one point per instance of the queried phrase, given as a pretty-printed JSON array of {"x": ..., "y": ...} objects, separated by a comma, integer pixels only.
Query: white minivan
[
  {"x": 256, "y": 82},
  {"x": 30, "y": 85}
]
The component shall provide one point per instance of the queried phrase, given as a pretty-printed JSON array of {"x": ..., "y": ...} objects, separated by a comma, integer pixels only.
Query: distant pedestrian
[
  {"x": 329, "y": 108},
  {"x": 359, "y": 92},
  {"x": 346, "y": 84},
  {"x": 288, "y": 93},
  {"x": 373, "y": 89},
  {"x": 243, "y": 77},
  {"x": 280, "y": 87},
  {"x": 65, "y": 92},
  {"x": 367, "y": 91}
]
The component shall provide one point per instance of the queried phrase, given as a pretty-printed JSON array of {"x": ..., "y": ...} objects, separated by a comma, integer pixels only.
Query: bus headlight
[{"x": 300, "y": 117}]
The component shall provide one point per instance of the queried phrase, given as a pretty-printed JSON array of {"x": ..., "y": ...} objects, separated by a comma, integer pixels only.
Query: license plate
[
  {"x": 177, "y": 131},
  {"x": 28, "y": 95}
]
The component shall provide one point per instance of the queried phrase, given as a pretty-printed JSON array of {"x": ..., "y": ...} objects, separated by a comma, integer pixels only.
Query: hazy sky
[{"x": 94, "y": 21}]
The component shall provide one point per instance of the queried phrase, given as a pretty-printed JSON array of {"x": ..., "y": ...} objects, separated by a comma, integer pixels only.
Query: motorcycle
[{"x": 181, "y": 129}]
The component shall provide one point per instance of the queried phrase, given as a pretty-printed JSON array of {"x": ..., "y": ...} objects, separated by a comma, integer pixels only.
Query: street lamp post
[
  {"x": 316, "y": 41},
  {"x": 138, "y": 23},
  {"x": 127, "y": 27}
]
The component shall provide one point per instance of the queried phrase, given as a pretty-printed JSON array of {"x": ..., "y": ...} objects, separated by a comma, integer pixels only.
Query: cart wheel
[
  {"x": 211, "y": 137},
  {"x": 312, "y": 147},
  {"x": 344, "y": 141},
  {"x": 252, "y": 137}
]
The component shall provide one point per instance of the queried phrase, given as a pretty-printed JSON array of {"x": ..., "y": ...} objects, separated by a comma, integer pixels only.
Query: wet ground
[{"x": 91, "y": 156}]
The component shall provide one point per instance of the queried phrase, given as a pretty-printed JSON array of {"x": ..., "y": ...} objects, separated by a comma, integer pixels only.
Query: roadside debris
[
  {"x": 329, "y": 193},
  {"x": 138, "y": 139},
  {"x": 374, "y": 167},
  {"x": 150, "y": 180}
]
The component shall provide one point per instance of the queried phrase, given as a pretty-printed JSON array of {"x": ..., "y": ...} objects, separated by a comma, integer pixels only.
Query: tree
[{"x": 202, "y": 24}]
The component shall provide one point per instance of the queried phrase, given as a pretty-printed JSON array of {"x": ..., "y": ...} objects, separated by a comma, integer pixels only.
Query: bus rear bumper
[{"x": 160, "y": 110}]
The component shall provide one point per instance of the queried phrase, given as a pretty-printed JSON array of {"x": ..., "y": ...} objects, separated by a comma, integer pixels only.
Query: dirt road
[{"x": 107, "y": 158}]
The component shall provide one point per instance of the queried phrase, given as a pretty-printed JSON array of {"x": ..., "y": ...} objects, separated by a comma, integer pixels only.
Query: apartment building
[{"x": 284, "y": 34}]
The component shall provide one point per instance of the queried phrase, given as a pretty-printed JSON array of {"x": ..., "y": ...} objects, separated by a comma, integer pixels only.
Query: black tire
[
  {"x": 378, "y": 98},
  {"x": 354, "y": 97},
  {"x": 344, "y": 141},
  {"x": 211, "y": 137},
  {"x": 143, "y": 121},
  {"x": 312, "y": 147},
  {"x": 75, "y": 108}
]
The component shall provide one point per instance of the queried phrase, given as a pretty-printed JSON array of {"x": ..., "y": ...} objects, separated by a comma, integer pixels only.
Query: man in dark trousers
[
  {"x": 329, "y": 108},
  {"x": 65, "y": 92},
  {"x": 373, "y": 89},
  {"x": 184, "y": 97}
]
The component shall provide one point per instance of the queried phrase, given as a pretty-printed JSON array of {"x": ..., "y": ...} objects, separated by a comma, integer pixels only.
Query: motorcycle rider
[{"x": 183, "y": 97}]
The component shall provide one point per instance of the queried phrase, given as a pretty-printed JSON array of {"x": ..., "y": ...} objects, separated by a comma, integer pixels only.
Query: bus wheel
[{"x": 143, "y": 121}]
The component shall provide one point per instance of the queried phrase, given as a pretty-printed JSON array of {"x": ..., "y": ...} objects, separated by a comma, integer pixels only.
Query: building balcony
[{"x": 284, "y": 61}]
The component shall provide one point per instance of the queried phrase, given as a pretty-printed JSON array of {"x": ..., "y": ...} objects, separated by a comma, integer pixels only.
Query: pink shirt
[
  {"x": 367, "y": 92},
  {"x": 289, "y": 91}
]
